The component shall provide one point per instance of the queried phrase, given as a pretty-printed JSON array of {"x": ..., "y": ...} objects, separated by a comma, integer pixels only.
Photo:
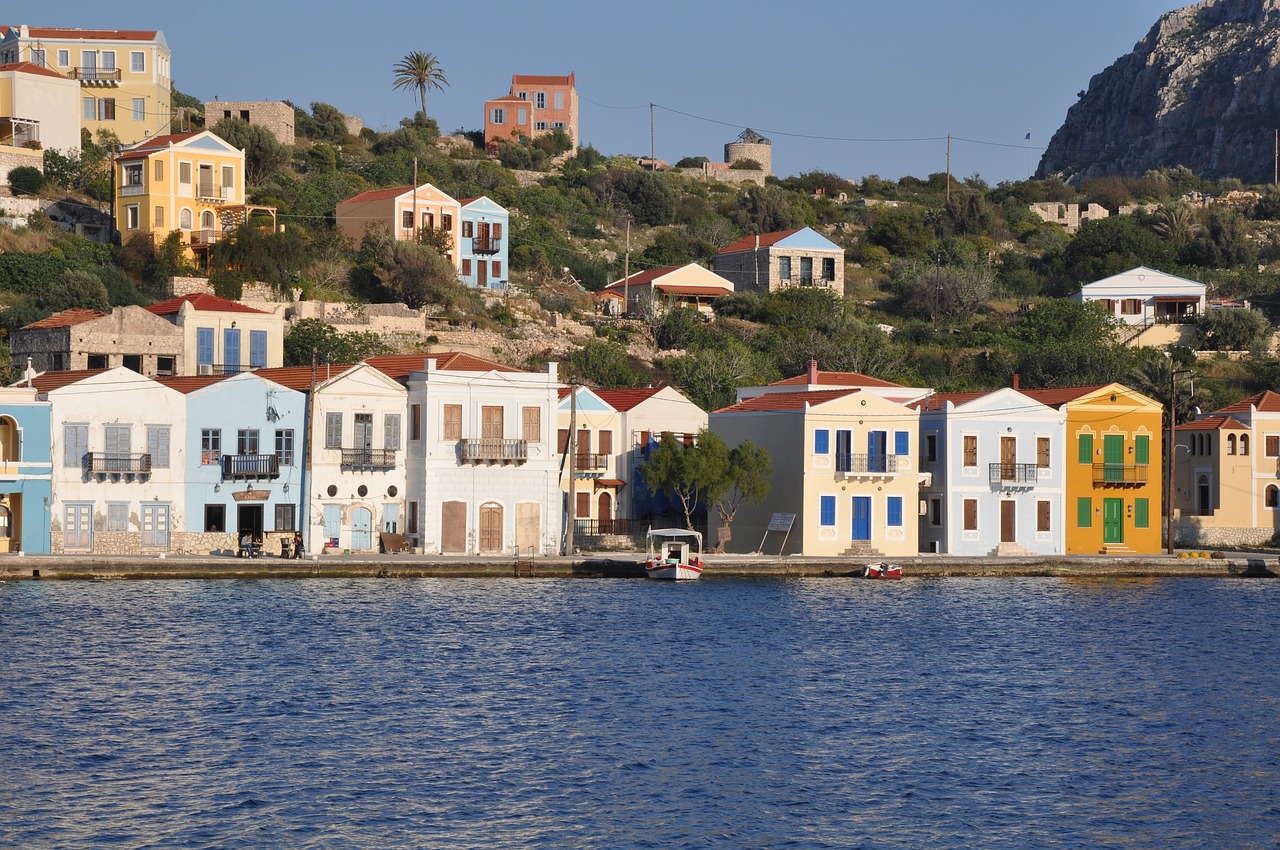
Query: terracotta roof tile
[
  {"x": 395, "y": 366},
  {"x": 46, "y": 381},
  {"x": 31, "y": 68},
  {"x": 785, "y": 401},
  {"x": 837, "y": 379},
  {"x": 93, "y": 35},
  {"x": 1265, "y": 401},
  {"x": 624, "y": 400},
  {"x": 938, "y": 400},
  {"x": 640, "y": 278},
  {"x": 66, "y": 318},
  {"x": 155, "y": 143},
  {"x": 378, "y": 195},
  {"x": 748, "y": 243},
  {"x": 203, "y": 302},
  {"x": 1214, "y": 423},
  {"x": 1059, "y": 396},
  {"x": 189, "y": 383},
  {"x": 518, "y": 80}
]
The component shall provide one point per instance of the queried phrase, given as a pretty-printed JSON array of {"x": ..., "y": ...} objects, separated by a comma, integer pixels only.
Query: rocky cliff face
[{"x": 1201, "y": 90}]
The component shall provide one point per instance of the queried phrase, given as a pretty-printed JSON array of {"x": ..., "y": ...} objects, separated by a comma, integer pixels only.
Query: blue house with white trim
[
  {"x": 26, "y": 471},
  {"x": 767, "y": 262},
  {"x": 483, "y": 243}
]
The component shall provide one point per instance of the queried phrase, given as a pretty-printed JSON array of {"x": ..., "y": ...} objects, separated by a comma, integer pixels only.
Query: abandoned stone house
[{"x": 88, "y": 339}]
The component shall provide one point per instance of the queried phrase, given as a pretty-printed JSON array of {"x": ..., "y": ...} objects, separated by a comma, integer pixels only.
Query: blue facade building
[
  {"x": 482, "y": 248},
  {"x": 26, "y": 469}
]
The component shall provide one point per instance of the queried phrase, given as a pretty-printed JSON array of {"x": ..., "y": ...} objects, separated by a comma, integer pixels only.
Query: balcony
[
  {"x": 369, "y": 458},
  {"x": 590, "y": 462},
  {"x": 110, "y": 463},
  {"x": 210, "y": 192},
  {"x": 19, "y": 132},
  {"x": 1120, "y": 473},
  {"x": 246, "y": 467},
  {"x": 866, "y": 464},
  {"x": 132, "y": 189},
  {"x": 1014, "y": 473},
  {"x": 483, "y": 245},
  {"x": 96, "y": 76},
  {"x": 491, "y": 451}
]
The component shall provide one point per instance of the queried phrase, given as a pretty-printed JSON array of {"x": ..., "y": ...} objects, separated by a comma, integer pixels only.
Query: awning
[
  {"x": 1177, "y": 299},
  {"x": 610, "y": 482}
]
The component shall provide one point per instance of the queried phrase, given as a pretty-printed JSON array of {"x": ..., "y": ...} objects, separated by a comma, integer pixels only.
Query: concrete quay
[{"x": 616, "y": 565}]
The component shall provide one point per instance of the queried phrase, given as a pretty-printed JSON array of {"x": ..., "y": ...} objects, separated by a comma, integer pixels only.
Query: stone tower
[{"x": 751, "y": 145}]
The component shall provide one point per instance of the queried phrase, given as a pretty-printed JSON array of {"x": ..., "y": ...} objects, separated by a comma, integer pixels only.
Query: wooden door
[
  {"x": 1008, "y": 457},
  {"x": 1008, "y": 522},
  {"x": 490, "y": 529},
  {"x": 528, "y": 527},
  {"x": 1113, "y": 520},
  {"x": 453, "y": 527}
]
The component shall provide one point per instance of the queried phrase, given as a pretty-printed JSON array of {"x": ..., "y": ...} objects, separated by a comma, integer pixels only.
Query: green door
[
  {"x": 1113, "y": 457},
  {"x": 1113, "y": 520}
]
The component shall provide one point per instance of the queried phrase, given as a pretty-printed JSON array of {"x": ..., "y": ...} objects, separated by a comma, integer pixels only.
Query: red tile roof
[
  {"x": 838, "y": 379},
  {"x": 748, "y": 243},
  {"x": 108, "y": 35},
  {"x": 46, "y": 381},
  {"x": 1213, "y": 423},
  {"x": 624, "y": 400},
  {"x": 190, "y": 383},
  {"x": 204, "y": 302},
  {"x": 66, "y": 318},
  {"x": 938, "y": 400},
  {"x": 785, "y": 401},
  {"x": 1265, "y": 401},
  {"x": 640, "y": 278},
  {"x": 1059, "y": 396},
  {"x": 378, "y": 195},
  {"x": 155, "y": 143},
  {"x": 31, "y": 68},
  {"x": 395, "y": 366},
  {"x": 518, "y": 80}
]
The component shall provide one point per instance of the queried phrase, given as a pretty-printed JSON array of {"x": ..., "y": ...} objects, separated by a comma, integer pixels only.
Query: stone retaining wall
[{"x": 1208, "y": 537}]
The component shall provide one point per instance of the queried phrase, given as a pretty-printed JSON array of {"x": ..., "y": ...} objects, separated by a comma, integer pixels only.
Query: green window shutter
[
  {"x": 1140, "y": 517},
  {"x": 1086, "y": 448},
  {"x": 1142, "y": 449},
  {"x": 1084, "y": 512}
]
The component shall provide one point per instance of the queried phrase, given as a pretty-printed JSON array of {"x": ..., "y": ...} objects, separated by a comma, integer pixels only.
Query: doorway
[
  {"x": 1008, "y": 522},
  {"x": 1113, "y": 520},
  {"x": 861, "y": 517},
  {"x": 490, "y": 529},
  {"x": 361, "y": 529},
  {"x": 249, "y": 521}
]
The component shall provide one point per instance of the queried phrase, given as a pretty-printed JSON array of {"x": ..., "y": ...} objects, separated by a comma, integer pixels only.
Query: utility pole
[
  {"x": 571, "y": 447},
  {"x": 653, "y": 148},
  {"x": 948, "y": 168},
  {"x": 415, "y": 197},
  {"x": 1275, "y": 166},
  {"x": 626, "y": 273},
  {"x": 304, "y": 504}
]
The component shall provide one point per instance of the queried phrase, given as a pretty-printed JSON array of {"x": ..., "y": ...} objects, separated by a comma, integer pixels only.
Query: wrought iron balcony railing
[
  {"x": 481, "y": 245},
  {"x": 1120, "y": 473},
  {"x": 96, "y": 75},
  {"x": 369, "y": 458},
  {"x": 494, "y": 451},
  {"x": 590, "y": 462},
  {"x": 210, "y": 191},
  {"x": 1014, "y": 473},
  {"x": 110, "y": 463},
  {"x": 866, "y": 463},
  {"x": 243, "y": 467}
]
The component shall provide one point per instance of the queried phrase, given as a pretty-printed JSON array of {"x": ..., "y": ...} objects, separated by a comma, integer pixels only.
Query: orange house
[{"x": 536, "y": 105}]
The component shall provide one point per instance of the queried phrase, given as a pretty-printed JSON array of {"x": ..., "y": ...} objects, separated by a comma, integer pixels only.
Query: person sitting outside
[{"x": 246, "y": 545}]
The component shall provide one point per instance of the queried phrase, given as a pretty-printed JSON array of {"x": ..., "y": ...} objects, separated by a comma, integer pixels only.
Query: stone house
[
  {"x": 277, "y": 116},
  {"x": 768, "y": 262},
  {"x": 132, "y": 337}
]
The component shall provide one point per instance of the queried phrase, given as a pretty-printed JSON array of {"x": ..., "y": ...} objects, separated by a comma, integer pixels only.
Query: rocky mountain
[{"x": 1201, "y": 90}]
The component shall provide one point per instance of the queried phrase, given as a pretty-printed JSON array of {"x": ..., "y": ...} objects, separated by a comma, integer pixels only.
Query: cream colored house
[
  {"x": 222, "y": 337},
  {"x": 657, "y": 290},
  {"x": 587, "y": 431},
  {"x": 403, "y": 211},
  {"x": 37, "y": 112},
  {"x": 123, "y": 76}
]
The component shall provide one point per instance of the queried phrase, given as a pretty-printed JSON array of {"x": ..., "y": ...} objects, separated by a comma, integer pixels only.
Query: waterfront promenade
[{"x": 613, "y": 565}]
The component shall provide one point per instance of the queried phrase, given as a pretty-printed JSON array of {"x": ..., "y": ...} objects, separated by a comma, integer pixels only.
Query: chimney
[
  {"x": 1016, "y": 380},
  {"x": 813, "y": 371}
]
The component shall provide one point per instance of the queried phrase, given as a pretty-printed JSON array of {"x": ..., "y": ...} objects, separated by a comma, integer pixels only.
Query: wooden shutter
[
  {"x": 490, "y": 422},
  {"x": 532, "y": 424},
  {"x": 1042, "y": 516},
  {"x": 970, "y": 514},
  {"x": 1042, "y": 452},
  {"x": 970, "y": 450},
  {"x": 1086, "y": 448},
  {"x": 562, "y": 439},
  {"x": 453, "y": 422},
  {"x": 606, "y": 442}
]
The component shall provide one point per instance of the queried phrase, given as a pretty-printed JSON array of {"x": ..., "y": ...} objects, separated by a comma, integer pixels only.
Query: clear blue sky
[{"x": 881, "y": 70}]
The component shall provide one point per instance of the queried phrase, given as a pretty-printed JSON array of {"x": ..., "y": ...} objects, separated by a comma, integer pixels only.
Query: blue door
[
  {"x": 230, "y": 350},
  {"x": 861, "y": 517},
  {"x": 361, "y": 529},
  {"x": 877, "y": 449},
  {"x": 332, "y": 523}
]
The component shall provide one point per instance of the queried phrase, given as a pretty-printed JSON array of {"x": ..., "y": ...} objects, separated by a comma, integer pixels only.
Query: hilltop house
[
  {"x": 123, "y": 75},
  {"x": 657, "y": 290},
  {"x": 768, "y": 262},
  {"x": 534, "y": 106},
  {"x": 1143, "y": 296}
]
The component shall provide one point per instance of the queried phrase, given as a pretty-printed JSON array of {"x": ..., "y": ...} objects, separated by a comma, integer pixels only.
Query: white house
[
  {"x": 1143, "y": 296},
  {"x": 996, "y": 474},
  {"x": 483, "y": 473}
]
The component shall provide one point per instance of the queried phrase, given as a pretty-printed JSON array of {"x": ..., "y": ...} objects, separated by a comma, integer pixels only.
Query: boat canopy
[{"x": 674, "y": 532}]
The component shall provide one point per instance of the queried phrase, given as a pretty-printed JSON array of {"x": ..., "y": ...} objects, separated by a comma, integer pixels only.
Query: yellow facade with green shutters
[{"x": 1114, "y": 475}]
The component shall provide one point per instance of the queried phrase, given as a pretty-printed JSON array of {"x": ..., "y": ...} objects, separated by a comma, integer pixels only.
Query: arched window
[
  {"x": 1272, "y": 496},
  {"x": 206, "y": 220},
  {"x": 1231, "y": 444},
  {"x": 1244, "y": 444},
  {"x": 184, "y": 219}
]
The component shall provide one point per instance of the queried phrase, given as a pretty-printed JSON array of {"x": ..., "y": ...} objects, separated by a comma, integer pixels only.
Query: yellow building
[
  {"x": 1114, "y": 481},
  {"x": 124, "y": 75},
  {"x": 192, "y": 183}
]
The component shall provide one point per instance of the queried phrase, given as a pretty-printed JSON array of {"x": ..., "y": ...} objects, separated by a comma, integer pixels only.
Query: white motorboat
[{"x": 674, "y": 554}]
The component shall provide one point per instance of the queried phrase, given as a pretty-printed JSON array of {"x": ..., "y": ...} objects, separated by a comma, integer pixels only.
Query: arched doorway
[
  {"x": 604, "y": 513},
  {"x": 9, "y": 441},
  {"x": 490, "y": 529},
  {"x": 361, "y": 529}
]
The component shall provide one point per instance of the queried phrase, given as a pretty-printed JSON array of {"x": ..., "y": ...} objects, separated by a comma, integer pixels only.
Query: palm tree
[
  {"x": 1178, "y": 223},
  {"x": 420, "y": 71}
]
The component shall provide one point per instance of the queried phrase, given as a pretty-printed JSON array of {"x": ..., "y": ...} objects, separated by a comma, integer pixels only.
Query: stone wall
[
  {"x": 11, "y": 158},
  {"x": 276, "y": 116},
  {"x": 1070, "y": 216},
  {"x": 1204, "y": 537},
  {"x": 726, "y": 175}
]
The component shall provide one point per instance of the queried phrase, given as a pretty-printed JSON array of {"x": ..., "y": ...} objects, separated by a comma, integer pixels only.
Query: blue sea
[{"x": 726, "y": 713}]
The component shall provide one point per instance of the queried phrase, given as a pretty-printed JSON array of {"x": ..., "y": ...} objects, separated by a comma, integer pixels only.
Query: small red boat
[{"x": 883, "y": 571}]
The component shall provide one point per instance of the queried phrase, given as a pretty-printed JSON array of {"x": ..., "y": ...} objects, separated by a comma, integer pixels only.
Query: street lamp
[{"x": 1170, "y": 452}]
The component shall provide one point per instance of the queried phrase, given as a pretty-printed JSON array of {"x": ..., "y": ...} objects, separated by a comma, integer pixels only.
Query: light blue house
[
  {"x": 245, "y": 460},
  {"x": 26, "y": 468},
  {"x": 482, "y": 248},
  {"x": 995, "y": 474}
]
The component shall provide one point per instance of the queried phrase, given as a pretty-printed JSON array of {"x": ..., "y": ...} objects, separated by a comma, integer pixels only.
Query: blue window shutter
[
  {"x": 821, "y": 441},
  {"x": 893, "y": 511},
  {"x": 828, "y": 510},
  {"x": 231, "y": 347},
  {"x": 902, "y": 442},
  {"x": 204, "y": 346},
  {"x": 257, "y": 349}
]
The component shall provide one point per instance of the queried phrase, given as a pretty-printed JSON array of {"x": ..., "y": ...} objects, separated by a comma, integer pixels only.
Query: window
[
  {"x": 523, "y": 95},
  {"x": 1141, "y": 449},
  {"x": 215, "y": 518},
  {"x": 117, "y": 516},
  {"x": 468, "y": 228},
  {"x": 257, "y": 349},
  {"x": 970, "y": 450},
  {"x": 132, "y": 217},
  {"x": 806, "y": 270},
  {"x": 138, "y": 62},
  {"x": 333, "y": 430},
  {"x": 605, "y": 442},
  {"x": 466, "y": 267},
  {"x": 935, "y": 512},
  {"x": 1042, "y": 452},
  {"x": 89, "y": 109},
  {"x": 562, "y": 439},
  {"x": 159, "y": 169},
  {"x": 75, "y": 442},
  {"x": 159, "y": 217},
  {"x": 284, "y": 446},
  {"x": 1273, "y": 445},
  {"x": 231, "y": 350},
  {"x": 1231, "y": 444},
  {"x": 491, "y": 425},
  {"x": 1084, "y": 512},
  {"x": 828, "y": 268},
  {"x": 827, "y": 511},
  {"x": 1244, "y": 444},
  {"x": 893, "y": 511},
  {"x": 522, "y": 117},
  {"x": 540, "y": 100},
  {"x": 931, "y": 448},
  {"x": 453, "y": 422},
  {"x": 210, "y": 446},
  {"x": 118, "y": 441},
  {"x": 821, "y": 441},
  {"x": 184, "y": 173},
  {"x": 38, "y": 57},
  {"x": 1042, "y": 516},
  {"x": 1130, "y": 306},
  {"x": 184, "y": 223},
  {"x": 497, "y": 230},
  {"x": 107, "y": 109},
  {"x": 446, "y": 221},
  {"x": 496, "y": 269},
  {"x": 1085, "y": 447},
  {"x": 1141, "y": 513},
  {"x": 902, "y": 442},
  {"x": 559, "y": 100},
  {"x": 138, "y": 108},
  {"x": 204, "y": 346},
  {"x": 539, "y": 125},
  {"x": 428, "y": 221},
  {"x": 133, "y": 174},
  {"x": 285, "y": 517},
  {"x": 406, "y": 219},
  {"x": 415, "y": 422},
  {"x": 391, "y": 431},
  {"x": 970, "y": 514},
  {"x": 158, "y": 446},
  {"x": 784, "y": 268},
  {"x": 557, "y": 125},
  {"x": 844, "y": 451},
  {"x": 498, "y": 116},
  {"x": 247, "y": 441},
  {"x": 1271, "y": 498},
  {"x": 411, "y": 525},
  {"x": 531, "y": 426},
  {"x": 64, "y": 58},
  {"x": 108, "y": 60}
]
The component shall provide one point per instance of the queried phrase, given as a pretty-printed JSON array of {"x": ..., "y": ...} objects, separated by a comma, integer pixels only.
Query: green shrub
[{"x": 26, "y": 180}]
